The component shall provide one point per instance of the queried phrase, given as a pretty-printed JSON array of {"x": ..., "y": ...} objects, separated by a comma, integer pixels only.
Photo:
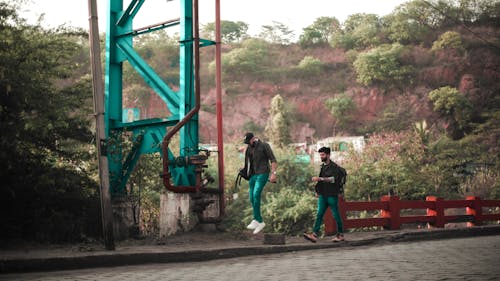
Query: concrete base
[
  {"x": 123, "y": 218},
  {"x": 212, "y": 210},
  {"x": 176, "y": 213}
]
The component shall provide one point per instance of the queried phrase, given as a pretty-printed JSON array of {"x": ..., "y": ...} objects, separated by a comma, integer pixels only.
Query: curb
[{"x": 120, "y": 259}]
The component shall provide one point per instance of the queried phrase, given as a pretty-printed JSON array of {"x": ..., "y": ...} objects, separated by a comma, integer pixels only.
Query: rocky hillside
[{"x": 474, "y": 72}]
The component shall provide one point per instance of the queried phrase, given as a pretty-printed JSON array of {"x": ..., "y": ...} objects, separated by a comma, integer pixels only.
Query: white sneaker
[
  {"x": 259, "y": 227},
  {"x": 253, "y": 224}
]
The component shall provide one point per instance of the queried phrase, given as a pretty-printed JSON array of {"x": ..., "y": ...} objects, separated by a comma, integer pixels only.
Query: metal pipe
[
  {"x": 218, "y": 90},
  {"x": 189, "y": 115}
]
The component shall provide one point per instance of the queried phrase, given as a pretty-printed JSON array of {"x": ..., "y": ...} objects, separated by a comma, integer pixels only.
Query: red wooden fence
[{"x": 390, "y": 209}]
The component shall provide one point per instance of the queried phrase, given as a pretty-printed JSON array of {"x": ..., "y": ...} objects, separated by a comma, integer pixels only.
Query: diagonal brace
[
  {"x": 150, "y": 76},
  {"x": 130, "y": 12}
]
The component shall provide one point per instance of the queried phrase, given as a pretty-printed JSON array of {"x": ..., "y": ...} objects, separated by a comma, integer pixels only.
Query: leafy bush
[
  {"x": 399, "y": 115},
  {"x": 289, "y": 211},
  {"x": 455, "y": 107},
  {"x": 382, "y": 66},
  {"x": 250, "y": 58},
  {"x": 389, "y": 164},
  {"x": 341, "y": 107},
  {"x": 449, "y": 40},
  {"x": 310, "y": 66}
]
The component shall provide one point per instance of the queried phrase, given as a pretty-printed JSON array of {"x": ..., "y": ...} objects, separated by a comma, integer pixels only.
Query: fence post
[
  {"x": 437, "y": 211},
  {"x": 329, "y": 221},
  {"x": 392, "y": 211},
  {"x": 476, "y": 210}
]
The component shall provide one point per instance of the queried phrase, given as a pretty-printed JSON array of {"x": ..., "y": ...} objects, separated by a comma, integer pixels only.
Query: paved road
[{"x": 453, "y": 259}]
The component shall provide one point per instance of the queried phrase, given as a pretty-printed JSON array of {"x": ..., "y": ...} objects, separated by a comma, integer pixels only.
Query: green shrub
[
  {"x": 289, "y": 211},
  {"x": 382, "y": 66},
  {"x": 310, "y": 66},
  {"x": 449, "y": 40}
]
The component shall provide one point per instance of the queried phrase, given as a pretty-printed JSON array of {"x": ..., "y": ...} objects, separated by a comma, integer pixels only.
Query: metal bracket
[{"x": 103, "y": 147}]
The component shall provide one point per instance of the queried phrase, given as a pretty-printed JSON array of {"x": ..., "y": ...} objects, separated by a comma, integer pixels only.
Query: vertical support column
[
  {"x": 189, "y": 132},
  {"x": 475, "y": 210},
  {"x": 113, "y": 85},
  {"x": 392, "y": 212},
  {"x": 437, "y": 212}
]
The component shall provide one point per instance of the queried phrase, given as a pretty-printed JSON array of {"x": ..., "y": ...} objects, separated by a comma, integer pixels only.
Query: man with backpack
[
  {"x": 329, "y": 185},
  {"x": 260, "y": 166}
]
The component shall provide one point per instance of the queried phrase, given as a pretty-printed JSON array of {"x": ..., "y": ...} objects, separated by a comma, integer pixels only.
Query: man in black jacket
[
  {"x": 327, "y": 190},
  {"x": 261, "y": 165}
]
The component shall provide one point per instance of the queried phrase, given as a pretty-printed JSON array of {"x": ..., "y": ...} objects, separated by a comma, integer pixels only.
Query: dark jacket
[
  {"x": 326, "y": 188},
  {"x": 257, "y": 158}
]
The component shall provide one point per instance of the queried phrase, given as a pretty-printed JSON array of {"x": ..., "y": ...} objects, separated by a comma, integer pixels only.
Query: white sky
[{"x": 293, "y": 13}]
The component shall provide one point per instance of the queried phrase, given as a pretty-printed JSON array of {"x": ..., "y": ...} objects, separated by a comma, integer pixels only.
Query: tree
[
  {"x": 341, "y": 107},
  {"x": 425, "y": 13},
  {"x": 276, "y": 33},
  {"x": 279, "y": 123},
  {"x": 382, "y": 66},
  {"x": 231, "y": 32},
  {"x": 250, "y": 58},
  {"x": 47, "y": 163},
  {"x": 397, "y": 116},
  {"x": 401, "y": 28},
  {"x": 320, "y": 32},
  {"x": 453, "y": 106},
  {"x": 449, "y": 40},
  {"x": 359, "y": 31}
]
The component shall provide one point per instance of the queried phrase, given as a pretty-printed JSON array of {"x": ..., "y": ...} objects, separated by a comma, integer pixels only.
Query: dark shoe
[
  {"x": 311, "y": 237},
  {"x": 339, "y": 237}
]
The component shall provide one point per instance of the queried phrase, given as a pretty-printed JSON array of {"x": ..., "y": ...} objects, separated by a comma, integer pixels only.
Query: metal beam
[
  {"x": 150, "y": 76},
  {"x": 130, "y": 12}
]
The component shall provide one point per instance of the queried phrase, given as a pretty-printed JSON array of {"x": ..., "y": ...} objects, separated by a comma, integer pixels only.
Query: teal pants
[
  {"x": 323, "y": 203},
  {"x": 257, "y": 183}
]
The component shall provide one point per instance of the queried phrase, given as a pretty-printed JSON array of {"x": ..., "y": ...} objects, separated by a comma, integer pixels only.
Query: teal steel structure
[{"x": 147, "y": 135}]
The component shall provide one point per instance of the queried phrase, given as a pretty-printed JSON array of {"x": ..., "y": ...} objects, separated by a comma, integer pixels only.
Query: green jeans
[
  {"x": 323, "y": 203},
  {"x": 257, "y": 183}
]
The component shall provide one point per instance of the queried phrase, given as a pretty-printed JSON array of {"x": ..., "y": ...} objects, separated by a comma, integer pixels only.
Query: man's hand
[
  {"x": 315, "y": 178},
  {"x": 273, "y": 178}
]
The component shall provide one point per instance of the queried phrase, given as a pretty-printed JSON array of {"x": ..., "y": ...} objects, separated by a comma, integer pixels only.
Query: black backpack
[
  {"x": 242, "y": 174},
  {"x": 342, "y": 179}
]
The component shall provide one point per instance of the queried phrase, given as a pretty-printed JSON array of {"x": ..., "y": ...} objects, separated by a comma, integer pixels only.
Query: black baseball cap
[{"x": 247, "y": 138}]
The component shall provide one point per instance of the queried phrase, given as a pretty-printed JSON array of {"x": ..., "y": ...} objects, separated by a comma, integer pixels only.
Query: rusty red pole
[{"x": 218, "y": 90}]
